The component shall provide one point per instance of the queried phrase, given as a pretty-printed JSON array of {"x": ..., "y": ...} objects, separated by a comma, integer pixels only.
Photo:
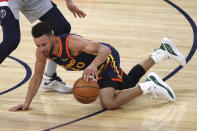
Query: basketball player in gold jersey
[{"x": 101, "y": 62}]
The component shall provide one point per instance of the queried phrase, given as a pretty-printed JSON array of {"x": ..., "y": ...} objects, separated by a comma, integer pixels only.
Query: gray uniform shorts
[{"x": 32, "y": 9}]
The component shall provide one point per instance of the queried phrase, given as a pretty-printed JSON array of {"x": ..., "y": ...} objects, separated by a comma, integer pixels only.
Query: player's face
[{"x": 44, "y": 44}]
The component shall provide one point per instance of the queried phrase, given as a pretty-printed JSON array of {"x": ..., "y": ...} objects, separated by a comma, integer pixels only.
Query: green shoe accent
[
  {"x": 162, "y": 47},
  {"x": 169, "y": 49},
  {"x": 147, "y": 79},
  {"x": 155, "y": 80}
]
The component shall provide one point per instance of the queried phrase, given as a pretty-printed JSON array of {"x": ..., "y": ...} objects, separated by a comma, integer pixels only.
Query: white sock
[{"x": 51, "y": 68}]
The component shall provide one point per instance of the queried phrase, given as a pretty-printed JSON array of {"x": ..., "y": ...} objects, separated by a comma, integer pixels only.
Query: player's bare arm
[
  {"x": 74, "y": 9},
  {"x": 77, "y": 44},
  {"x": 34, "y": 82}
]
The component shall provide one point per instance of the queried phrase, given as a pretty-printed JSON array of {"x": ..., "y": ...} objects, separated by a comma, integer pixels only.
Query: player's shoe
[
  {"x": 168, "y": 50},
  {"x": 156, "y": 86},
  {"x": 55, "y": 83}
]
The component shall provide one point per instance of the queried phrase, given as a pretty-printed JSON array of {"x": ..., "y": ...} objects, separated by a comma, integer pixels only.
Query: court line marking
[
  {"x": 68, "y": 123},
  {"x": 27, "y": 77},
  {"x": 194, "y": 46},
  {"x": 191, "y": 53}
]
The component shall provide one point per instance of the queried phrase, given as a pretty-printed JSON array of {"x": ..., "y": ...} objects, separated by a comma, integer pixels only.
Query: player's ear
[{"x": 52, "y": 36}]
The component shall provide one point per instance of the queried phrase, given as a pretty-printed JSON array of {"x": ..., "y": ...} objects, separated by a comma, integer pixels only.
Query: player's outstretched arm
[
  {"x": 74, "y": 9},
  {"x": 33, "y": 85}
]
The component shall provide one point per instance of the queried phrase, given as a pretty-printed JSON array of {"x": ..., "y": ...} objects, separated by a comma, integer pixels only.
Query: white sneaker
[
  {"x": 55, "y": 83},
  {"x": 168, "y": 50},
  {"x": 155, "y": 85}
]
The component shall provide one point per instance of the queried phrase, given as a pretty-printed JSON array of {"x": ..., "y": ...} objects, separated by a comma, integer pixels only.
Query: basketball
[{"x": 85, "y": 92}]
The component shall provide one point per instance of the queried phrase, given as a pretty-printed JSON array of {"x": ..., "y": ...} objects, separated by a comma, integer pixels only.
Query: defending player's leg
[
  {"x": 60, "y": 25},
  {"x": 11, "y": 32},
  {"x": 58, "y": 22},
  {"x": 167, "y": 50},
  {"x": 55, "y": 83}
]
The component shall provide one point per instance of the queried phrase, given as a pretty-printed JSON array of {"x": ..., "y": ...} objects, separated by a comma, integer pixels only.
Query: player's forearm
[
  {"x": 103, "y": 53},
  {"x": 33, "y": 88},
  {"x": 67, "y": 1}
]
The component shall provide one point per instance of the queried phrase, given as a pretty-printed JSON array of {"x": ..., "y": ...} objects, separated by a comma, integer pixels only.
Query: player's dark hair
[{"x": 40, "y": 29}]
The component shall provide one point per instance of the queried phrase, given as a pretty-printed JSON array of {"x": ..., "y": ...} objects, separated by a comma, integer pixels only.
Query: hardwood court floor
[{"x": 135, "y": 28}]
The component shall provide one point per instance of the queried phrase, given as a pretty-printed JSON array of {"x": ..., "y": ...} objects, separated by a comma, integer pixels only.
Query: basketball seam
[
  {"x": 85, "y": 86},
  {"x": 85, "y": 96}
]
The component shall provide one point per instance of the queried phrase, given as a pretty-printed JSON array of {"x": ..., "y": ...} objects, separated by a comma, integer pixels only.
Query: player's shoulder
[
  {"x": 75, "y": 42},
  {"x": 75, "y": 38}
]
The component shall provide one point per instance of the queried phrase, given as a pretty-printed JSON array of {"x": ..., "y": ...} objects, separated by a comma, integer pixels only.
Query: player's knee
[{"x": 109, "y": 105}]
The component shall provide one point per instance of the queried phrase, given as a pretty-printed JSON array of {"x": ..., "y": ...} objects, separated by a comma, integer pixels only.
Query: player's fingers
[
  {"x": 96, "y": 76},
  {"x": 10, "y": 109},
  {"x": 15, "y": 108},
  {"x": 86, "y": 75},
  {"x": 74, "y": 14},
  {"x": 92, "y": 76},
  {"x": 78, "y": 13},
  {"x": 81, "y": 14}
]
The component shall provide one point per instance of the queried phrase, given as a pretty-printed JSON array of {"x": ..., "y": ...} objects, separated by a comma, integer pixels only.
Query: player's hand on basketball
[
  {"x": 75, "y": 10},
  {"x": 90, "y": 72},
  {"x": 19, "y": 107}
]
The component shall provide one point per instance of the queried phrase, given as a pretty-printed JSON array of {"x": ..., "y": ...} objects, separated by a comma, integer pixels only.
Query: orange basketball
[{"x": 85, "y": 92}]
